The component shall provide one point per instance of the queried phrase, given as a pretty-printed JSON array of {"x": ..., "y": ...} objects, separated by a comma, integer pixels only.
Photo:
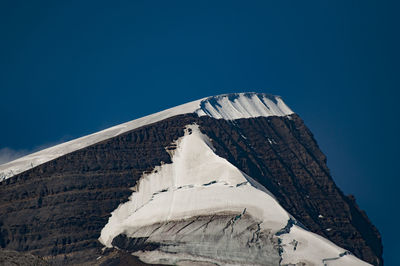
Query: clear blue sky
[{"x": 69, "y": 68}]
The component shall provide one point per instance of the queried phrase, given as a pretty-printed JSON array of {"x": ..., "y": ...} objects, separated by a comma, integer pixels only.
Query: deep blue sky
[{"x": 69, "y": 68}]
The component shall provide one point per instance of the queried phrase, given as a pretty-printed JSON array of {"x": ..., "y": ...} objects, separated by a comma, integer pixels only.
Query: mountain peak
[
  {"x": 226, "y": 106},
  {"x": 216, "y": 181}
]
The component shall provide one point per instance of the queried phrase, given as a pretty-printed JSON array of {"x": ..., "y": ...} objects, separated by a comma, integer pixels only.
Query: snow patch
[
  {"x": 300, "y": 245},
  {"x": 197, "y": 182}
]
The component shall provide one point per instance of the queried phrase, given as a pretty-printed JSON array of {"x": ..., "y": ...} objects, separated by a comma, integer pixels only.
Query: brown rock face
[
  {"x": 57, "y": 210},
  {"x": 12, "y": 258}
]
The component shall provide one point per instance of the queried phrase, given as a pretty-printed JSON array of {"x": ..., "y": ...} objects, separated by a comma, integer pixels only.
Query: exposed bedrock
[{"x": 57, "y": 209}]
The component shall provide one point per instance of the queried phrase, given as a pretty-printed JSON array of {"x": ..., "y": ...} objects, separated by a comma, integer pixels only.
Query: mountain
[{"x": 230, "y": 179}]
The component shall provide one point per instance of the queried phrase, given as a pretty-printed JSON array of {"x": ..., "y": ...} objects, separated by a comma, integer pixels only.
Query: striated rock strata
[
  {"x": 12, "y": 258},
  {"x": 57, "y": 209}
]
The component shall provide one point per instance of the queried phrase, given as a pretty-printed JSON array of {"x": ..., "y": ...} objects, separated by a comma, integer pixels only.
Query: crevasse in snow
[
  {"x": 199, "y": 182},
  {"x": 227, "y": 106}
]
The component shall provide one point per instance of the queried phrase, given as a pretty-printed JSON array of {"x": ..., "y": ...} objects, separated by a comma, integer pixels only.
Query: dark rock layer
[
  {"x": 119, "y": 258},
  {"x": 58, "y": 209},
  {"x": 13, "y": 258},
  {"x": 282, "y": 154}
]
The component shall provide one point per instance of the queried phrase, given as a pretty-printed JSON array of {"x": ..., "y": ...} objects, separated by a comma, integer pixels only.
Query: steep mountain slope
[
  {"x": 232, "y": 106},
  {"x": 61, "y": 207}
]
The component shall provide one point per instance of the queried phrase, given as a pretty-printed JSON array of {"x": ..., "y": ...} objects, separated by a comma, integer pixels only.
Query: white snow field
[
  {"x": 227, "y": 106},
  {"x": 200, "y": 183}
]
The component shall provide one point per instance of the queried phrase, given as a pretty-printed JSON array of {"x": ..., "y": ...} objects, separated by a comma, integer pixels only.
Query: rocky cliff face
[
  {"x": 57, "y": 209},
  {"x": 282, "y": 154}
]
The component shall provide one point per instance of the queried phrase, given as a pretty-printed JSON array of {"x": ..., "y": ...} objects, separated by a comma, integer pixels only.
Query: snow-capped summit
[
  {"x": 226, "y": 106},
  {"x": 243, "y": 105},
  {"x": 217, "y": 181}
]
